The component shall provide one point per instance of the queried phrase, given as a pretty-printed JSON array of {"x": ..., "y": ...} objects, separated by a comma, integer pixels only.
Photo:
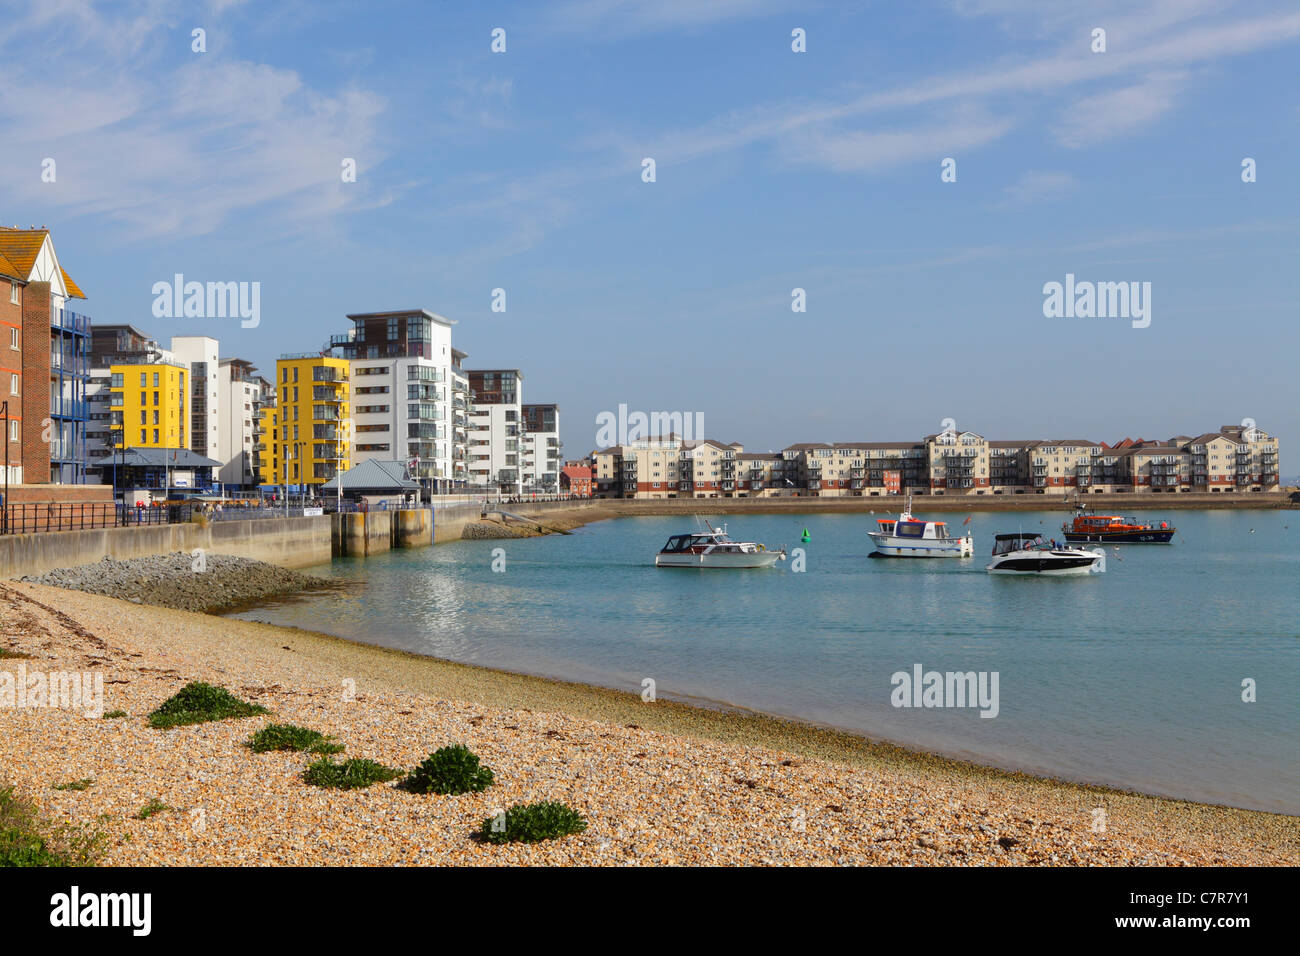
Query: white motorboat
[
  {"x": 714, "y": 549},
  {"x": 912, "y": 537},
  {"x": 1026, "y": 553}
]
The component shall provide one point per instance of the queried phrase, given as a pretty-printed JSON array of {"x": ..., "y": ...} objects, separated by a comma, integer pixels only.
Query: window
[
  {"x": 13, "y": 337},
  {"x": 155, "y": 379},
  {"x": 13, "y": 384},
  {"x": 155, "y": 436},
  {"x": 143, "y": 438},
  {"x": 155, "y": 417},
  {"x": 13, "y": 429},
  {"x": 13, "y": 292},
  {"x": 143, "y": 420},
  {"x": 155, "y": 398}
]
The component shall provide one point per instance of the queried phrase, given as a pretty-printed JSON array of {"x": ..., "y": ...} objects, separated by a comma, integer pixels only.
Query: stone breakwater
[{"x": 207, "y": 582}]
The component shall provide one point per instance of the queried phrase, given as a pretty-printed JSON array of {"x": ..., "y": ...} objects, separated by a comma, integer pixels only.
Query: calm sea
[{"x": 1132, "y": 678}]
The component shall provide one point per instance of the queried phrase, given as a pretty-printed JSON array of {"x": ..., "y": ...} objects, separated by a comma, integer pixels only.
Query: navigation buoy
[{"x": 806, "y": 535}]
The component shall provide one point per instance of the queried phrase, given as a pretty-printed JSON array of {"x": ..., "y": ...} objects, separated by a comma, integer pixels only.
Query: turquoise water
[{"x": 1131, "y": 678}]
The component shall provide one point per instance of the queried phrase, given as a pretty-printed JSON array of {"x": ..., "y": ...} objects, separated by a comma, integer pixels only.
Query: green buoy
[{"x": 806, "y": 535}]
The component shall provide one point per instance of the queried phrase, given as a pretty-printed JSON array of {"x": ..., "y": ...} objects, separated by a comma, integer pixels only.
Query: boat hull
[
  {"x": 891, "y": 546},
  {"x": 1158, "y": 536},
  {"x": 1050, "y": 564},
  {"x": 760, "y": 559}
]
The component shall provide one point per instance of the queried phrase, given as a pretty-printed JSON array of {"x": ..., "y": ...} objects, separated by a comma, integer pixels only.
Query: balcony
[
  {"x": 325, "y": 393},
  {"x": 69, "y": 321}
]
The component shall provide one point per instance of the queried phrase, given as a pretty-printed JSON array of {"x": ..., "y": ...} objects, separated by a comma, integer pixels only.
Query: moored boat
[
  {"x": 1115, "y": 529},
  {"x": 912, "y": 537},
  {"x": 714, "y": 549},
  {"x": 1028, "y": 553}
]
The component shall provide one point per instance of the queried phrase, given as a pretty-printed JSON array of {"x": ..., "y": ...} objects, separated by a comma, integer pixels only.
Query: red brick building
[
  {"x": 576, "y": 480},
  {"x": 11, "y": 367}
]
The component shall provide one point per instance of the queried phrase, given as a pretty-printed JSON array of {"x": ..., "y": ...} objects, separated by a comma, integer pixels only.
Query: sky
[{"x": 774, "y": 170}]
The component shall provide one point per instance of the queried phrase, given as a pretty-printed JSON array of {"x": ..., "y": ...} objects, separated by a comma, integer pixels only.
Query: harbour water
[{"x": 1132, "y": 678}]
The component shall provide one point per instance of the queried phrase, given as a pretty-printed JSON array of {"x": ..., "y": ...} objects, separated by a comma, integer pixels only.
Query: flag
[{"x": 967, "y": 521}]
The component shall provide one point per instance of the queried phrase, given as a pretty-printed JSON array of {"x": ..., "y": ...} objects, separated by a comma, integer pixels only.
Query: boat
[
  {"x": 912, "y": 537},
  {"x": 1027, "y": 553},
  {"x": 1115, "y": 529},
  {"x": 714, "y": 549}
]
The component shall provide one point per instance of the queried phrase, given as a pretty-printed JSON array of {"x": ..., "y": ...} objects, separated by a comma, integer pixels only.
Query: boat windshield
[{"x": 1017, "y": 542}]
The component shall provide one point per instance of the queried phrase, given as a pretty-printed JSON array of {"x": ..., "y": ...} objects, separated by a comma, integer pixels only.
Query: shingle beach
[{"x": 659, "y": 783}]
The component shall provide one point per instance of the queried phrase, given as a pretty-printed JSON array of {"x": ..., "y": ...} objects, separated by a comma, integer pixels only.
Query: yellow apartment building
[
  {"x": 149, "y": 402},
  {"x": 309, "y": 436}
]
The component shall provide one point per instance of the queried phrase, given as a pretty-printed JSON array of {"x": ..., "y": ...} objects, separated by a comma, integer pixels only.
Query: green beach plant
[
  {"x": 82, "y": 784},
  {"x": 532, "y": 823},
  {"x": 449, "y": 770},
  {"x": 115, "y": 714},
  {"x": 198, "y": 703},
  {"x": 292, "y": 737},
  {"x": 27, "y": 839},
  {"x": 152, "y": 807},
  {"x": 349, "y": 775}
]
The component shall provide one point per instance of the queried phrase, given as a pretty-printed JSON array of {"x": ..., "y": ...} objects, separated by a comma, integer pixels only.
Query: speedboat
[
  {"x": 1115, "y": 529},
  {"x": 912, "y": 537},
  {"x": 1026, "y": 553},
  {"x": 714, "y": 549}
]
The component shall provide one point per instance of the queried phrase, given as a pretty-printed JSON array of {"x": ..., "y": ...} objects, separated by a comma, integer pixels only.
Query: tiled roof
[
  {"x": 22, "y": 246},
  {"x": 9, "y": 270}
]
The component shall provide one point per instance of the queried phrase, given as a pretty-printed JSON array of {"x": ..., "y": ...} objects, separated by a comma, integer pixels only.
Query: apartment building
[
  {"x": 404, "y": 404},
  {"x": 309, "y": 438},
  {"x": 1231, "y": 460},
  {"x": 201, "y": 354},
  {"x": 496, "y": 429},
  {"x": 541, "y": 447},
  {"x": 150, "y": 405},
  {"x": 460, "y": 397},
  {"x": 575, "y": 479},
  {"x": 240, "y": 393},
  {"x": 53, "y": 342}
]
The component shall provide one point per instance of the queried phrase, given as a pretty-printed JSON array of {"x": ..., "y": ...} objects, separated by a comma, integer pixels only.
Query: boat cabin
[
  {"x": 909, "y": 527},
  {"x": 702, "y": 541},
  {"x": 1019, "y": 541}
]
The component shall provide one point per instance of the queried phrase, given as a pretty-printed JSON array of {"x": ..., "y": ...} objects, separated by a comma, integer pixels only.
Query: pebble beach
[{"x": 659, "y": 783}]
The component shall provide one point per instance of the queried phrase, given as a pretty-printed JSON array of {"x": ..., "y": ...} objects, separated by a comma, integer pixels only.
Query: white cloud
[
  {"x": 1104, "y": 116},
  {"x": 164, "y": 145},
  {"x": 1036, "y": 186}
]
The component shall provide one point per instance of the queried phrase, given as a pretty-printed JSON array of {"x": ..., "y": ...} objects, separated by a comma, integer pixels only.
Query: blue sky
[{"x": 819, "y": 170}]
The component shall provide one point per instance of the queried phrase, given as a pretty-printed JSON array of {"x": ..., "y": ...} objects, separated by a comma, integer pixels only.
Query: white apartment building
[
  {"x": 496, "y": 430},
  {"x": 541, "y": 449},
  {"x": 202, "y": 354},
  {"x": 240, "y": 395},
  {"x": 404, "y": 374}
]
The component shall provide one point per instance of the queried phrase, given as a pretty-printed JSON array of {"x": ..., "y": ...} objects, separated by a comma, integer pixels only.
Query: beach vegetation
[
  {"x": 449, "y": 770},
  {"x": 292, "y": 737},
  {"x": 154, "y": 806},
  {"x": 349, "y": 775},
  {"x": 198, "y": 703},
  {"x": 27, "y": 839},
  {"x": 82, "y": 784},
  {"x": 532, "y": 823}
]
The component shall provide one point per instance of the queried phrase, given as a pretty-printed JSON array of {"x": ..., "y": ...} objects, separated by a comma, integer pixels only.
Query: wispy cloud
[
  {"x": 1105, "y": 116},
  {"x": 1035, "y": 186},
  {"x": 173, "y": 146}
]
